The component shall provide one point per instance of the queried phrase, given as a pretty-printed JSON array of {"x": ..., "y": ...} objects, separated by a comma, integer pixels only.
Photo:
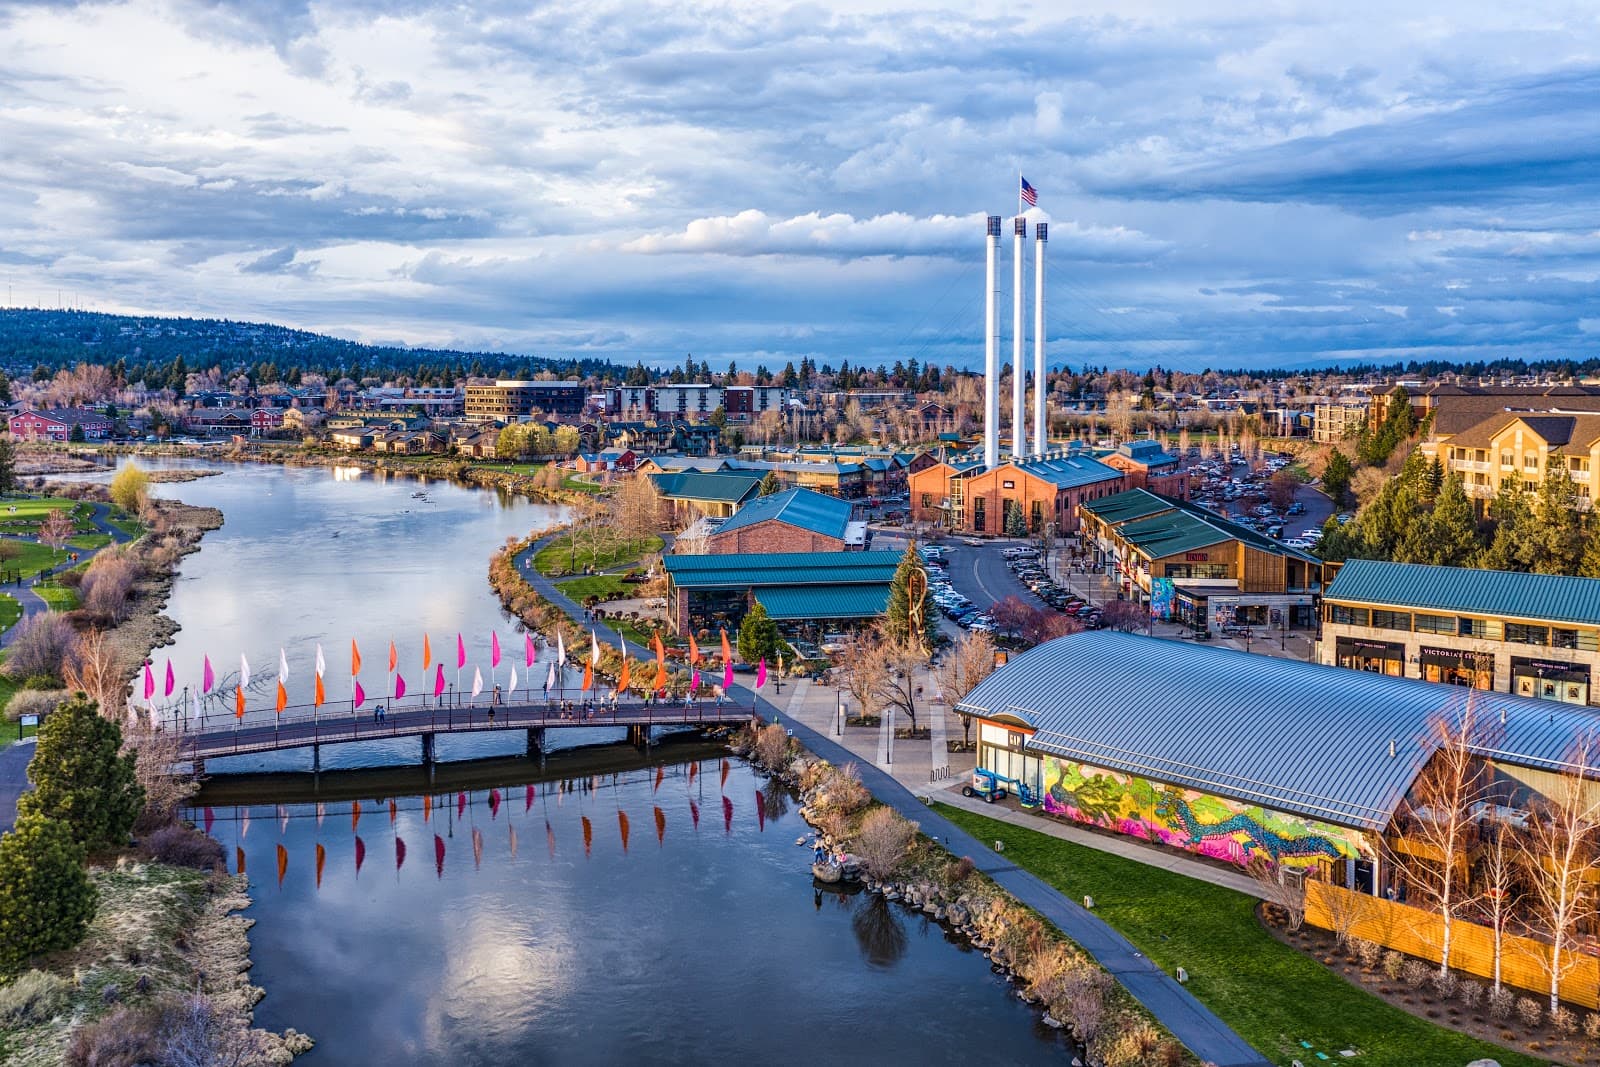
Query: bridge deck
[{"x": 218, "y": 735}]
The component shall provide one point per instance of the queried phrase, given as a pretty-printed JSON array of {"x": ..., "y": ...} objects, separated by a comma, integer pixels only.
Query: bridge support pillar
[
  {"x": 639, "y": 736},
  {"x": 199, "y": 768},
  {"x": 427, "y": 750},
  {"x": 316, "y": 759},
  {"x": 535, "y": 741}
]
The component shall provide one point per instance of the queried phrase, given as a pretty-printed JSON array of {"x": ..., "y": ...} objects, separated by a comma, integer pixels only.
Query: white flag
[
  {"x": 477, "y": 682},
  {"x": 550, "y": 679},
  {"x": 322, "y": 666},
  {"x": 594, "y": 649},
  {"x": 283, "y": 666},
  {"x": 194, "y": 711},
  {"x": 512, "y": 688},
  {"x": 244, "y": 672},
  {"x": 561, "y": 649}
]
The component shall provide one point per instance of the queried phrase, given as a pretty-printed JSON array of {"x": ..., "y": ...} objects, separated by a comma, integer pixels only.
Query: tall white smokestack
[
  {"x": 1019, "y": 371},
  {"x": 991, "y": 352},
  {"x": 1041, "y": 429}
]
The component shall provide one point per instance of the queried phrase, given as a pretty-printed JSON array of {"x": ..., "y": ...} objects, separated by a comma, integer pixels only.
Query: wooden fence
[{"x": 1421, "y": 933}]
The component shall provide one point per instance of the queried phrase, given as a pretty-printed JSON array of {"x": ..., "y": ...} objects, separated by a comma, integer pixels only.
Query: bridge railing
[{"x": 299, "y": 725}]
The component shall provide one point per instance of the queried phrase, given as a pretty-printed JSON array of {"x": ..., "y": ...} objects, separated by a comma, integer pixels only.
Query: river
[{"x": 698, "y": 938}]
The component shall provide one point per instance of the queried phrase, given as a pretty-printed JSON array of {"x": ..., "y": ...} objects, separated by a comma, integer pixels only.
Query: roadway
[{"x": 13, "y": 780}]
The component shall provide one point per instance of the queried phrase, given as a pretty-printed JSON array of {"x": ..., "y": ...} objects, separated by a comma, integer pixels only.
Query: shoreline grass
[{"x": 1272, "y": 995}]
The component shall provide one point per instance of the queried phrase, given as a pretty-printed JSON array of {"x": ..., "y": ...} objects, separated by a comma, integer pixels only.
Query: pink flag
[
  {"x": 399, "y": 686},
  {"x": 461, "y": 652},
  {"x": 438, "y": 855},
  {"x": 210, "y": 817},
  {"x": 208, "y": 678},
  {"x": 172, "y": 680},
  {"x": 149, "y": 683},
  {"x": 438, "y": 680},
  {"x": 528, "y": 803},
  {"x": 761, "y": 673},
  {"x": 527, "y": 649},
  {"x": 694, "y": 682},
  {"x": 361, "y": 695},
  {"x": 727, "y": 677},
  {"x": 494, "y": 650}
]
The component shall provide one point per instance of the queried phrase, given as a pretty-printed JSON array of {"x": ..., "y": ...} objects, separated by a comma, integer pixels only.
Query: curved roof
[{"x": 1297, "y": 737}]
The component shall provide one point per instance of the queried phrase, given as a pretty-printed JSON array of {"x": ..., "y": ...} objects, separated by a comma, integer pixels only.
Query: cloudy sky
[{"x": 1227, "y": 184}]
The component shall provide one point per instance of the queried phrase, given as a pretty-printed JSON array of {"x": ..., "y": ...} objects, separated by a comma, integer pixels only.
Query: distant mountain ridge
[{"x": 56, "y": 338}]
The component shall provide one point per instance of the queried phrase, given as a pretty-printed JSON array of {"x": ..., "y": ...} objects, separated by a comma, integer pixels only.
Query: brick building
[
  {"x": 796, "y": 520},
  {"x": 1150, "y": 466},
  {"x": 57, "y": 424}
]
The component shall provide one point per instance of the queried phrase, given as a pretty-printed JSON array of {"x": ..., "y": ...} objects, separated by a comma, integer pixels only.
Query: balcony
[{"x": 1470, "y": 465}]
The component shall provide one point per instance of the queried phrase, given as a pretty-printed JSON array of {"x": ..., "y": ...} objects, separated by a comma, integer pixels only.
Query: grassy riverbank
[
  {"x": 160, "y": 933},
  {"x": 1272, "y": 995},
  {"x": 571, "y": 552}
]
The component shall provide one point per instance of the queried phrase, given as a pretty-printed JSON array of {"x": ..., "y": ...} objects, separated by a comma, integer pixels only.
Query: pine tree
[
  {"x": 758, "y": 636},
  {"x": 8, "y": 464},
  {"x": 1589, "y": 565},
  {"x": 1554, "y": 538},
  {"x": 1336, "y": 477},
  {"x": 770, "y": 484},
  {"x": 46, "y": 898},
  {"x": 897, "y": 616},
  {"x": 1453, "y": 527},
  {"x": 81, "y": 779}
]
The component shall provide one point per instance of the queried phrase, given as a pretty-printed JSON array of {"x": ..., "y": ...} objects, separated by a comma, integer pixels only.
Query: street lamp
[{"x": 840, "y": 732}]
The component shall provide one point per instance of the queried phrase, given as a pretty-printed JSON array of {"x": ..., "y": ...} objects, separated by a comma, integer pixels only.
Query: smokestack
[
  {"x": 991, "y": 353},
  {"x": 1041, "y": 429},
  {"x": 1019, "y": 371}
]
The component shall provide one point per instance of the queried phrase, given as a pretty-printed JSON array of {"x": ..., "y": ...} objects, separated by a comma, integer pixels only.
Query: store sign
[
  {"x": 1197, "y": 557},
  {"x": 1015, "y": 739}
]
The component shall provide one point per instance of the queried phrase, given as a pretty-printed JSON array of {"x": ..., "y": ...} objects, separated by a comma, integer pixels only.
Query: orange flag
[
  {"x": 622, "y": 824},
  {"x": 322, "y": 858},
  {"x": 622, "y": 679},
  {"x": 588, "y": 675},
  {"x": 661, "y": 827},
  {"x": 283, "y": 864},
  {"x": 727, "y": 656},
  {"x": 427, "y": 653},
  {"x": 238, "y": 854},
  {"x": 392, "y": 809},
  {"x": 355, "y": 814},
  {"x": 427, "y": 806},
  {"x": 394, "y": 658},
  {"x": 355, "y": 657},
  {"x": 588, "y": 836},
  {"x": 661, "y": 655},
  {"x": 321, "y": 697},
  {"x": 283, "y": 697},
  {"x": 238, "y": 702},
  {"x": 694, "y": 650},
  {"x": 661, "y": 772}
]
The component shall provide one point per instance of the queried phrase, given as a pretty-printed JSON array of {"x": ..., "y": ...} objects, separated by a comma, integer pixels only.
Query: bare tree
[
  {"x": 40, "y": 645},
  {"x": 636, "y": 509},
  {"x": 1561, "y": 856},
  {"x": 57, "y": 528},
  {"x": 155, "y": 753},
  {"x": 1289, "y": 894},
  {"x": 863, "y": 666},
  {"x": 1497, "y": 864},
  {"x": 1437, "y": 822},
  {"x": 882, "y": 841},
  {"x": 1085, "y": 996},
  {"x": 969, "y": 661},
  {"x": 1124, "y": 615},
  {"x": 897, "y": 685},
  {"x": 93, "y": 669}
]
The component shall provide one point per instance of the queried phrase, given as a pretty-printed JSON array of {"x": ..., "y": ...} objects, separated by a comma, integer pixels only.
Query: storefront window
[
  {"x": 978, "y": 514},
  {"x": 1478, "y": 628},
  {"x": 1380, "y": 657},
  {"x": 1585, "y": 640},
  {"x": 1197, "y": 570},
  {"x": 1566, "y": 682},
  {"x": 1454, "y": 667}
]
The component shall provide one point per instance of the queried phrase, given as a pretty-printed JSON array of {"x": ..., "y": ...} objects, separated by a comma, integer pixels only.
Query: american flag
[{"x": 1030, "y": 195}]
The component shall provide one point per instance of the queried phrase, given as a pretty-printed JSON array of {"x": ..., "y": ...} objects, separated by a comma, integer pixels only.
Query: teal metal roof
[
  {"x": 1171, "y": 533},
  {"x": 1070, "y": 471},
  {"x": 786, "y": 602},
  {"x": 727, "y": 487},
  {"x": 1548, "y": 597},
  {"x": 762, "y": 569},
  {"x": 1125, "y": 506},
  {"x": 804, "y": 508}
]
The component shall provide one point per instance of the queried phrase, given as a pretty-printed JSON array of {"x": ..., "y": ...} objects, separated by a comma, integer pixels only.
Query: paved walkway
[
  {"x": 810, "y": 711},
  {"x": 28, "y": 596},
  {"x": 13, "y": 779}
]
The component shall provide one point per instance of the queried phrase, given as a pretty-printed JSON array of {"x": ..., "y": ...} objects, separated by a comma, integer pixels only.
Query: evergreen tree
[
  {"x": 1589, "y": 564},
  {"x": 8, "y": 464},
  {"x": 1336, "y": 478},
  {"x": 81, "y": 779},
  {"x": 1554, "y": 538},
  {"x": 1015, "y": 525},
  {"x": 1452, "y": 528},
  {"x": 897, "y": 616},
  {"x": 1510, "y": 513},
  {"x": 46, "y": 898},
  {"x": 758, "y": 636},
  {"x": 770, "y": 484},
  {"x": 5, "y": 388}
]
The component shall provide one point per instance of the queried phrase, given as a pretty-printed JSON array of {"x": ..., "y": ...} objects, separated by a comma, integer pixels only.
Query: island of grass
[
  {"x": 564, "y": 556},
  {"x": 1271, "y": 995},
  {"x": 58, "y": 597}
]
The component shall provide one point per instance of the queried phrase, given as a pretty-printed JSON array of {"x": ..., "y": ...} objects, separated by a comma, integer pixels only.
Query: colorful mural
[{"x": 1183, "y": 818}]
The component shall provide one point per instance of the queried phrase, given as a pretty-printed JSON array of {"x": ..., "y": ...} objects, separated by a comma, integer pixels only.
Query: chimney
[
  {"x": 1041, "y": 428},
  {"x": 991, "y": 352},
  {"x": 1019, "y": 372}
]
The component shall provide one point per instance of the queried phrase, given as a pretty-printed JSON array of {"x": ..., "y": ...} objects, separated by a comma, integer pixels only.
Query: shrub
[
  {"x": 183, "y": 846},
  {"x": 126, "y": 1037},
  {"x": 1501, "y": 1002},
  {"x": 841, "y": 792},
  {"x": 1529, "y": 1011},
  {"x": 1444, "y": 983},
  {"x": 1393, "y": 962},
  {"x": 81, "y": 778},
  {"x": 1132, "y": 1046},
  {"x": 39, "y": 702},
  {"x": 1084, "y": 995},
  {"x": 130, "y": 489},
  {"x": 882, "y": 841},
  {"x": 40, "y": 645},
  {"x": 1563, "y": 1020},
  {"x": 34, "y": 997},
  {"x": 1591, "y": 1026},
  {"x": 1369, "y": 952},
  {"x": 961, "y": 870},
  {"x": 107, "y": 584},
  {"x": 1469, "y": 993},
  {"x": 1415, "y": 973},
  {"x": 772, "y": 748}
]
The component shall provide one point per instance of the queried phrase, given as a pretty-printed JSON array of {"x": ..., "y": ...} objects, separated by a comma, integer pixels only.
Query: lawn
[
  {"x": 583, "y": 487},
  {"x": 32, "y": 509},
  {"x": 510, "y": 468},
  {"x": 603, "y": 586},
  {"x": 28, "y": 556},
  {"x": 631, "y": 632},
  {"x": 558, "y": 554},
  {"x": 59, "y": 597},
  {"x": 89, "y": 542},
  {"x": 1272, "y": 995},
  {"x": 128, "y": 525},
  {"x": 10, "y": 611}
]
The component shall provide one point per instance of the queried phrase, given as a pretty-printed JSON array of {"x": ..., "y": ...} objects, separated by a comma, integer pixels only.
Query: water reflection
[{"x": 879, "y": 931}]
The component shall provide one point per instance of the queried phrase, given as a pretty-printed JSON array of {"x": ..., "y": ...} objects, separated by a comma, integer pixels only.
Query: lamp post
[{"x": 840, "y": 731}]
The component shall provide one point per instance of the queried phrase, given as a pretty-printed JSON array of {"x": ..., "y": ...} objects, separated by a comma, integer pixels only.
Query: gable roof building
[{"x": 795, "y": 520}]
